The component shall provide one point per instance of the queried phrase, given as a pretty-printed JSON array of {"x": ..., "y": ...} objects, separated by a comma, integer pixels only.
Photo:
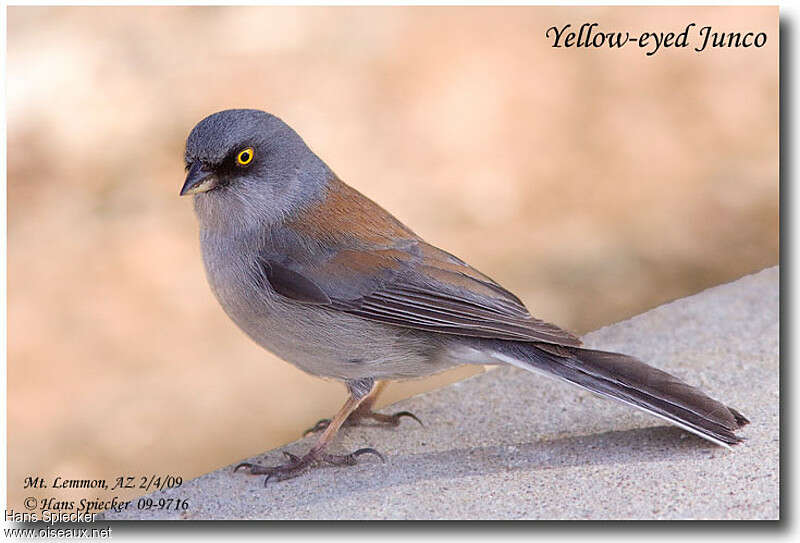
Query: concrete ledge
[{"x": 511, "y": 445}]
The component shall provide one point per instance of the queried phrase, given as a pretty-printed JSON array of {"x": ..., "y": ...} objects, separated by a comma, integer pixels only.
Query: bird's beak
[{"x": 199, "y": 179}]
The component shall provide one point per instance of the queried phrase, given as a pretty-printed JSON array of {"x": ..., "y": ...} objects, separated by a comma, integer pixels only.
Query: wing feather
[{"x": 414, "y": 286}]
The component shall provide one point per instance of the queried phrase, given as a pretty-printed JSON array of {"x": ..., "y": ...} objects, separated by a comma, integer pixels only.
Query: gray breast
[{"x": 316, "y": 339}]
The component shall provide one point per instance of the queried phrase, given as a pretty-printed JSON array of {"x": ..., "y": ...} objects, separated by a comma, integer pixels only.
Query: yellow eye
[{"x": 245, "y": 156}]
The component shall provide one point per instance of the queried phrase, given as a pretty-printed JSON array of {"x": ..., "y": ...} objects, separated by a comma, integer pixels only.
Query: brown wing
[
  {"x": 382, "y": 271},
  {"x": 418, "y": 286}
]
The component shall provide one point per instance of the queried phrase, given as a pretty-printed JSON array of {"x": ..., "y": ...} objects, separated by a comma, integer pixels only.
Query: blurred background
[{"x": 594, "y": 183}]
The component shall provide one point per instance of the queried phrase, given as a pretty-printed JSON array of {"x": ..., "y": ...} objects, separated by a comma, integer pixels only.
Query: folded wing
[{"x": 414, "y": 285}]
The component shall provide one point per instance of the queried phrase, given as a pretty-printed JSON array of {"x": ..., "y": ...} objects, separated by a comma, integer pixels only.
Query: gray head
[{"x": 248, "y": 168}]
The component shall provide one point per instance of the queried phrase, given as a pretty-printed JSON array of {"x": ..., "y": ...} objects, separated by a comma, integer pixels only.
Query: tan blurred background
[{"x": 594, "y": 183}]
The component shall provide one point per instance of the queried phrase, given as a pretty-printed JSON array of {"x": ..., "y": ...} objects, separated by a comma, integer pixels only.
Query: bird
[{"x": 326, "y": 279}]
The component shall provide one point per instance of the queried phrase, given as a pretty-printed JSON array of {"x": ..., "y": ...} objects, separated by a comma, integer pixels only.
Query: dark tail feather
[{"x": 631, "y": 381}]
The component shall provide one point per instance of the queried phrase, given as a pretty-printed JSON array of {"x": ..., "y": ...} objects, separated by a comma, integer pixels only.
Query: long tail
[{"x": 633, "y": 382}]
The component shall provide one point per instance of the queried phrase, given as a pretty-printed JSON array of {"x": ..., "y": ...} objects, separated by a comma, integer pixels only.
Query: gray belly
[{"x": 326, "y": 342}]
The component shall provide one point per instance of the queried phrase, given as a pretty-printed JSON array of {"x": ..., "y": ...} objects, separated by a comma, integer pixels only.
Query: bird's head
[{"x": 248, "y": 166}]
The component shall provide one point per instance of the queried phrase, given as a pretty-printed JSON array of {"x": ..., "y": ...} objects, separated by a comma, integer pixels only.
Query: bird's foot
[
  {"x": 357, "y": 417},
  {"x": 299, "y": 464}
]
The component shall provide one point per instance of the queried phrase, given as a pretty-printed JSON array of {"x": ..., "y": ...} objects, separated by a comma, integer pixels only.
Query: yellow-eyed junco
[{"x": 326, "y": 279}]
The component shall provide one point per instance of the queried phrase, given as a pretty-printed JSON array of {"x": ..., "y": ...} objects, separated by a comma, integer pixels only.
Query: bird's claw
[
  {"x": 321, "y": 425},
  {"x": 350, "y": 459},
  {"x": 299, "y": 464},
  {"x": 397, "y": 416},
  {"x": 356, "y": 418}
]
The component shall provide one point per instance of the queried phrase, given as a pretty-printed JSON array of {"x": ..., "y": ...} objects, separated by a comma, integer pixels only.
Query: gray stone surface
[{"x": 508, "y": 444}]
